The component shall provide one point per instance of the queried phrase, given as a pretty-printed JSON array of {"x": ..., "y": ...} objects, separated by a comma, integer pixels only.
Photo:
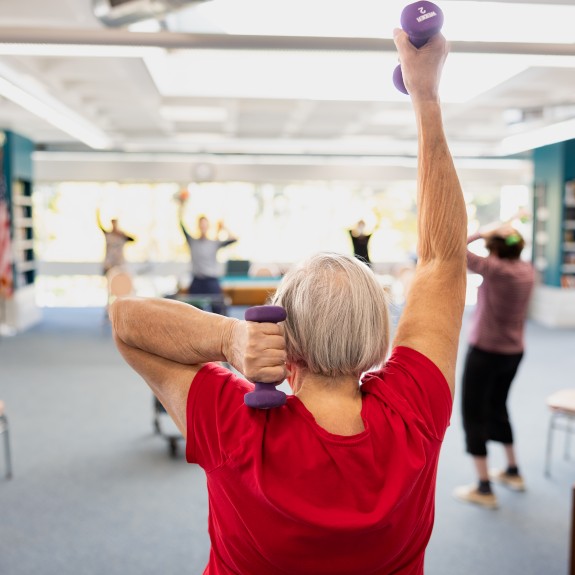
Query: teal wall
[
  {"x": 17, "y": 165},
  {"x": 553, "y": 166},
  {"x": 18, "y": 157}
]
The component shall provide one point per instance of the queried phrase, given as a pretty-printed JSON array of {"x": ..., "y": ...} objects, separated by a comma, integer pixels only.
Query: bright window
[{"x": 275, "y": 224}]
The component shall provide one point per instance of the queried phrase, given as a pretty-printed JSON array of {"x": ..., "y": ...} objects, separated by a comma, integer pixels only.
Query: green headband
[{"x": 513, "y": 239}]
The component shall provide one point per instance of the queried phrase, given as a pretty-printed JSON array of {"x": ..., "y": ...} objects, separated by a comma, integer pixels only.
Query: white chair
[
  {"x": 4, "y": 430},
  {"x": 562, "y": 406}
]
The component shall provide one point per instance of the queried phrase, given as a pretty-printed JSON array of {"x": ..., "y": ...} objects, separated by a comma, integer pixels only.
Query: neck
[
  {"x": 312, "y": 386},
  {"x": 334, "y": 402}
]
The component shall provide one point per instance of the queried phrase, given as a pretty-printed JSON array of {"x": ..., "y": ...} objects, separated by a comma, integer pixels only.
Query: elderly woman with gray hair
[{"x": 341, "y": 478}]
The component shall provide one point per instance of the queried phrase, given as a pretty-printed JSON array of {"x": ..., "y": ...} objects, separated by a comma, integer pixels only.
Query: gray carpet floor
[{"x": 95, "y": 491}]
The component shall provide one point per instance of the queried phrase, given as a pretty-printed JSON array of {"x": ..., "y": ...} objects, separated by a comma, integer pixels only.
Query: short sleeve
[
  {"x": 215, "y": 413},
  {"x": 414, "y": 386}
]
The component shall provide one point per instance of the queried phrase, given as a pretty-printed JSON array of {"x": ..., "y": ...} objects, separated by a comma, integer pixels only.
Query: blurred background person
[
  {"x": 116, "y": 239},
  {"x": 206, "y": 270},
  {"x": 496, "y": 345},
  {"x": 360, "y": 240}
]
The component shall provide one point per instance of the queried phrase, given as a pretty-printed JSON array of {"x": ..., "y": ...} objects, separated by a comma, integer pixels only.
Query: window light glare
[
  {"x": 360, "y": 18},
  {"x": 509, "y": 22},
  {"x": 464, "y": 20}
]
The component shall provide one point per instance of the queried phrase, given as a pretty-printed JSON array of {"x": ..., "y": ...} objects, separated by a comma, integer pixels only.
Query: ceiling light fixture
[
  {"x": 194, "y": 113},
  {"x": 545, "y": 136},
  {"x": 78, "y": 50},
  {"x": 122, "y": 12},
  {"x": 347, "y": 76},
  {"x": 51, "y": 111}
]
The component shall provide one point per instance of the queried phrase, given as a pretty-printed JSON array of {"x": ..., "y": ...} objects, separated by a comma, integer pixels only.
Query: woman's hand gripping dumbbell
[
  {"x": 265, "y": 395},
  {"x": 420, "y": 20}
]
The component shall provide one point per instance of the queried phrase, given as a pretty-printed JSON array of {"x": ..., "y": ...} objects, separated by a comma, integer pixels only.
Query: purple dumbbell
[
  {"x": 421, "y": 21},
  {"x": 265, "y": 395}
]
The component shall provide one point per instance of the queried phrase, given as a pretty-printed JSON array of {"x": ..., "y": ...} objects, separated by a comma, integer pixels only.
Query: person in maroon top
[
  {"x": 496, "y": 345},
  {"x": 341, "y": 479}
]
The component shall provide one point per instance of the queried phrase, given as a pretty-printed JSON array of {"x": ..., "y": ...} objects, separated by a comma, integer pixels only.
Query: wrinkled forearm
[
  {"x": 442, "y": 223},
  {"x": 171, "y": 329}
]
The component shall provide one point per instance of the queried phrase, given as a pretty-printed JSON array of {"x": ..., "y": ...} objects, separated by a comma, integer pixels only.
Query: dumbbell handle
[
  {"x": 420, "y": 20},
  {"x": 265, "y": 395}
]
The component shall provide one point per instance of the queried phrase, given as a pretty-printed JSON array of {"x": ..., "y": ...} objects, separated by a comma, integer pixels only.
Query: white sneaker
[
  {"x": 514, "y": 482},
  {"x": 471, "y": 494}
]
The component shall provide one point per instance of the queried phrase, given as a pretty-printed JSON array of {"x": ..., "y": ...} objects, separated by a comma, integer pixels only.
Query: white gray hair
[{"x": 337, "y": 316}]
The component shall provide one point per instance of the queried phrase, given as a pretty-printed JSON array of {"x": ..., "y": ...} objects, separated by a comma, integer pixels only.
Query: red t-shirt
[{"x": 289, "y": 498}]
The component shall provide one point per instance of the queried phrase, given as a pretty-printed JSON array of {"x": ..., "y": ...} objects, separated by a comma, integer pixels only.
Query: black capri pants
[{"x": 487, "y": 377}]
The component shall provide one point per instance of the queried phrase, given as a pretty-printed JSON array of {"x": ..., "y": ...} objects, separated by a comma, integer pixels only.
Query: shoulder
[
  {"x": 216, "y": 416},
  {"x": 413, "y": 385},
  {"x": 408, "y": 363},
  {"x": 528, "y": 267},
  {"x": 525, "y": 273},
  {"x": 215, "y": 381},
  {"x": 514, "y": 268}
]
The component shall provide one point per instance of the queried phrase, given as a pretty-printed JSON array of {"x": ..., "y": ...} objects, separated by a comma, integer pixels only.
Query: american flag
[{"x": 6, "y": 275}]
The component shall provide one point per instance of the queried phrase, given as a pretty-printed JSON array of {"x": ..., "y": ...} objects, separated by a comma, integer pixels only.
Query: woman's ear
[{"x": 291, "y": 379}]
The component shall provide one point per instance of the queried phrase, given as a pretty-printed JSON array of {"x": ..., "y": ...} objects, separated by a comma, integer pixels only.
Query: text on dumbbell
[{"x": 426, "y": 16}]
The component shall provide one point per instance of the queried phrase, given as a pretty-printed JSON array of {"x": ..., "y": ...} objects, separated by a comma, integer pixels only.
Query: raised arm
[
  {"x": 128, "y": 237},
  {"x": 167, "y": 342},
  {"x": 99, "y": 220},
  {"x": 431, "y": 320},
  {"x": 181, "y": 205},
  {"x": 229, "y": 237},
  {"x": 487, "y": 265},
  {"x": 475, "y": 263}
]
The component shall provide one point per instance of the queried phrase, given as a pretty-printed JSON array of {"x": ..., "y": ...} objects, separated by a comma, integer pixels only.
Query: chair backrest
[
  {"x": 237, "y": 268},
  {"x": 562, "y": 400},
  {"x": 264, "y": 270},
  {"x": 120, "y": 283}
]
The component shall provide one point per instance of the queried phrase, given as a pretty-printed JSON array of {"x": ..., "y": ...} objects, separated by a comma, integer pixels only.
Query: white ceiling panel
[{"x": 286, "y": 101}]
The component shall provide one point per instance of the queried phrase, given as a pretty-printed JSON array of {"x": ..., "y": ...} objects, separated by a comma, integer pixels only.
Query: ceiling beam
[{"x": 185, "y": 41}]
